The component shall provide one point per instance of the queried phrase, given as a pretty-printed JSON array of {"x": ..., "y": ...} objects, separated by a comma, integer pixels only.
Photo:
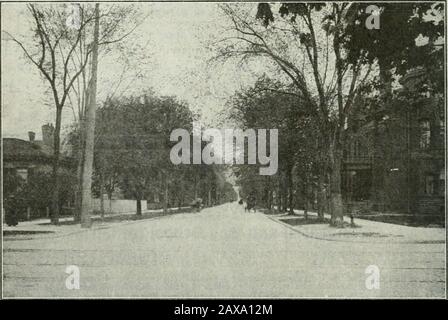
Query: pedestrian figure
[
  {"x": 197, "y": 204},
  {"x": 352, "y": 220},
  {"x": 11, "y": 211},
  {"x": 250, "y": 204}
]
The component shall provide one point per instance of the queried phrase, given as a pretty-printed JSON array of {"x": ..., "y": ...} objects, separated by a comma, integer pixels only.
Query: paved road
[{"x": 219, "y": 252}]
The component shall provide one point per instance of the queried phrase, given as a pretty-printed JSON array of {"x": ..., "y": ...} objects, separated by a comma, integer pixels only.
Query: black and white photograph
[{"x": 223, "y": 150}]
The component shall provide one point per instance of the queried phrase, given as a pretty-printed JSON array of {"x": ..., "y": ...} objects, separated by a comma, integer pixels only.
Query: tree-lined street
[
  {"x": 224, "y": 149},
  {"x": 219, "y": 252}
]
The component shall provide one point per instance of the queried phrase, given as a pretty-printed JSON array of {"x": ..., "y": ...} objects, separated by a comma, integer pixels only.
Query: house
[
  {"x": 27, "y": 168},
  {"x": 395, "y": 163}
]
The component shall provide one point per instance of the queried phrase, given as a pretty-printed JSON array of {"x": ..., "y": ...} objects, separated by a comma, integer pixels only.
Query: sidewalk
[
  {"x": 42, "y": 228},
  {"x": 365, "y": 231}
]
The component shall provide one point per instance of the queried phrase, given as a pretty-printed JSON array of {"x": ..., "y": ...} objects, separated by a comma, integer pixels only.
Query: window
[
  {"x": 23, "y": 173},
  {"x": 356, "y": 149},
  {"x": 429, "y": 184},
  {"x": 425, "y": 134},
  {"x": 442, "y": 128}
]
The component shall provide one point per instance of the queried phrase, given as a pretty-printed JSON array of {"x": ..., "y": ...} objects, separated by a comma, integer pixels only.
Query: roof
[
  {"x": 43, "y": 147},
  {"x": 17, "y": 148},
  {"x": 21, "y": 150}
]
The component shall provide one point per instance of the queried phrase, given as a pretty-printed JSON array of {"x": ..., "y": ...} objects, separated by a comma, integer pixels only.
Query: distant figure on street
[
  {"x": 241, "y": 201},
  {"x": 197, "y": 204},
  {"x": 250, "y": 204},
  {"x": 11, "y": 211}
]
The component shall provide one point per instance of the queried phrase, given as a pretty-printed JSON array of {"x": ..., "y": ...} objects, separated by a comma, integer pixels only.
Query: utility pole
[{"x": 86, "y": 206}]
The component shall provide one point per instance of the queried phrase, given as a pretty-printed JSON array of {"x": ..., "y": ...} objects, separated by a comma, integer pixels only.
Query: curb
[
  {"x": 295, "y": 229},
  {"x": 81, "y": 230}
]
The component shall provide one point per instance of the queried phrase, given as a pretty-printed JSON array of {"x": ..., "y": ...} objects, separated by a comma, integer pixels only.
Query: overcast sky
[{"x": 175, "y": 37}]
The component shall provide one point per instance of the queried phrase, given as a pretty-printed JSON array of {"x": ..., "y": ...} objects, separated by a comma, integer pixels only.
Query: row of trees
[
  {"x": 300, "y": 165},
  {"x": 131, "y": 160},
  {"x": 66, "y": 42},
  {"x": 132, "y": 154},
  {"x": 326, "y": 61}
]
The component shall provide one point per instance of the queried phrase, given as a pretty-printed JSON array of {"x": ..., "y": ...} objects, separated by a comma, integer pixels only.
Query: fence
[{"x": 117, "y": 205}]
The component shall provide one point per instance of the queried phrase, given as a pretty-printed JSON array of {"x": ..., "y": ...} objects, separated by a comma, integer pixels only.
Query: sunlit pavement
[{"x": 219, "y": 252}]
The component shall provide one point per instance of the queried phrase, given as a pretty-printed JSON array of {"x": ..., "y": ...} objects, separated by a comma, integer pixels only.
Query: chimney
[
  {"x": 31, "y": 135},
  {"x": 47, "y": 134}
]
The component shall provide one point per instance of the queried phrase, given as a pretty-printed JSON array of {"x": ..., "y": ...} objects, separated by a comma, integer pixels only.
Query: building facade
[
  {"x": 396, "y": 163},
  {"x": 27, "y": 170}
]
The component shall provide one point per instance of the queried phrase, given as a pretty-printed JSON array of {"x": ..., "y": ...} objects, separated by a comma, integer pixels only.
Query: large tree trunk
[
  {"x": 290, "y": 191},
  {"x": 279, "y": 198},
  {"x": 268, "y": 198},
  {"x": 195, "y": 186},
  {"x": 376, "y": 192},
  {"x": 305, "y": 197},
  {"x": 336, "y": 140},
  {"x": 102, "y": 195},
  {"x": 284, "y": 193},
  {"x": 377, "y": 180},
  {"x": 55, "y": 206},
  {"x": 86, "y": 206},
  {"x": 109, "y": 195},
  {"x": 165, "y": 200},
  {"x": 336, "y": 204},
  {"x": 268, "y": 194},
  {"x": 78, "y": 195},
  {"x": 139, "y": 206},
  {"x": 79, "y": 172},
  {"x": 321, "y": 196}
]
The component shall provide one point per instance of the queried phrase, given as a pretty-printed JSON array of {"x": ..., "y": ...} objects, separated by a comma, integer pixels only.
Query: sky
[{"x": 175, "y": 38}]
